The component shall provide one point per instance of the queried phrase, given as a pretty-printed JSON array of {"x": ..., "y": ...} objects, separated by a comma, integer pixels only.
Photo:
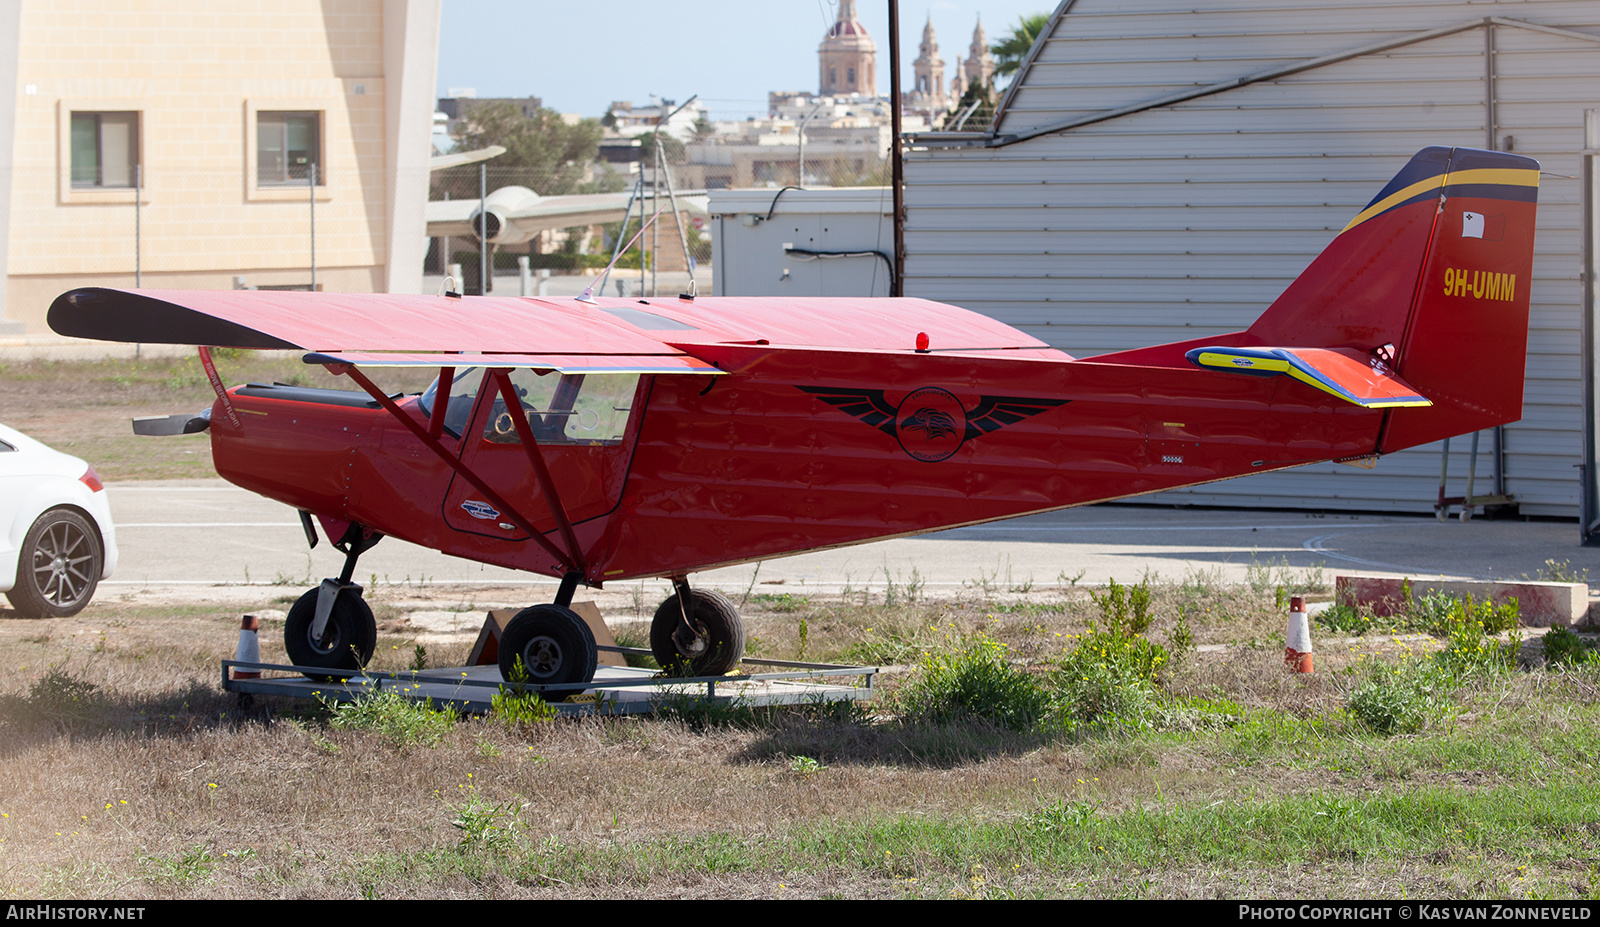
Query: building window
[
  {"x": 852, "y": 73},
  {"x": 287, "y": 146},
  {"x": 105, "y": 149}
]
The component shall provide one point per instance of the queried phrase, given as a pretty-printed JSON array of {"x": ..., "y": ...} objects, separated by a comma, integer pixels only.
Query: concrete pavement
[{"x": 209, "y": 533}]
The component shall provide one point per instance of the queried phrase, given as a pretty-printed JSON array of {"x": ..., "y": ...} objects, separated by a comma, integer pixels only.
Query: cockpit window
[
  {"x": 560, "y": 408},
  {"x": 463, "y": 389}
]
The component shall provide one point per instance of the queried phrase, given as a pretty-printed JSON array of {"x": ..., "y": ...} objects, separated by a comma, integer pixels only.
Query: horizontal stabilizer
[
  {"x": 1354, "y": 376},
  {"x": 660, "y": 364}
]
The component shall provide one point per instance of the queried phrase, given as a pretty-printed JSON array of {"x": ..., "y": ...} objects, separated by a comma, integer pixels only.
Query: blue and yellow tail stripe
[
  {"x": 1272, "y": 362},
  {"x": 1436, "y": 172}
]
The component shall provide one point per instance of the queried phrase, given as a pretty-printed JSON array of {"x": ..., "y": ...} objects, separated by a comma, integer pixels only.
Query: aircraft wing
[
  {"x": 371, "y": 329},
  {"x": 455, "y": 217},
  {"x": 456, "y": 159},
  {"x": 376, "y": 326}
]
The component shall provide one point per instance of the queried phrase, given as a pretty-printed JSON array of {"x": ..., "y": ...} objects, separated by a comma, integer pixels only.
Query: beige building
[
  {"x": 847, "y": 58},
  {"x": 205, "y": 144}
]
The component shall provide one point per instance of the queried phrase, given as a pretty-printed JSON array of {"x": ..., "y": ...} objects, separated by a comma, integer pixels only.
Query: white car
[{"x": 56, "y": 537}]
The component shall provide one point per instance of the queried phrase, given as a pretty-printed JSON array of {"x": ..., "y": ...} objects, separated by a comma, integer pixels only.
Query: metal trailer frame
[{"x": 615, "y": 690}]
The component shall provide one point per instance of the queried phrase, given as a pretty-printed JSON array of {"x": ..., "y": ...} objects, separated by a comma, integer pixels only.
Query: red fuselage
[{"x": 796, "y": 450}]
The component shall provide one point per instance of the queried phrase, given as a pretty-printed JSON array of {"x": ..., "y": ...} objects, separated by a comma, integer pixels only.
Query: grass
[
  {"x": 84, "y": 408},
  {"x": 130, "y": 775}
]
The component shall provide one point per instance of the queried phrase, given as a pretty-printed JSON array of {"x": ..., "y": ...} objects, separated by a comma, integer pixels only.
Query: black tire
[
  {"x": 58, "y": 566},
  {"x": 347, "y": 642},
  {"x": 554, "y": 645},
  {"x": 719, "y": 635}
]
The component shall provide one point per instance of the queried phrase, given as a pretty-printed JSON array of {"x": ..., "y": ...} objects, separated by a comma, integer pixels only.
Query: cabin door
[{"x": 585, "y": 430}]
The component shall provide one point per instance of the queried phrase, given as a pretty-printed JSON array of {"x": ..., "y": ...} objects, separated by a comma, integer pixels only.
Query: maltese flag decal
[{"x": 1478, "y": 225}]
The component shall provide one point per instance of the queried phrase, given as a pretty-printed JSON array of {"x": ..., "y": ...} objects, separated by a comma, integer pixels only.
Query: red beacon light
[{"x": 922, "y": 342}]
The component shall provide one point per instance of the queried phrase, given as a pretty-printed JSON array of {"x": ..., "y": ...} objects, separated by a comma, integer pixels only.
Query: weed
[
  {"x": 514, "y": 704},
  {"x": 1399, "y": 699},
  {"x": 1564, "y": 648},
  {"x": 195, "y": 864},
  {"x": 637, "y": 638},
  {"x": 804, "y": 766},
  {"x": 1109, "y": 677},
  {"x": 1265, "y": 576},
  {"x": 1561, "y": 571},
  {"x": 1202, "y": 582},
  {"x": 987, "y": 582},
  {"x": 1098, "y": 688},
  {"x": 60, "y": 696},
  {"x": 689, "y": 706},
  {"x": 1060, "y": 819},
  {"x": 1351, "y": 619},
  {"x": 1471, "y": 627},
  {"x": 787, "y": 602},
  {"x": 891, "y": 649},
  {"x": 907, "y": 593},
  {"x": 1062, "y": 579},
  {"x": 975, "y": 681},
  {"x": 399, "y": 720},
  {"x": 1313, "y": 579},
  {"x": 753, "y": 574},
  {"x": 803, "y": 636},
  {"x": 486, "y": 827},
  {"x": 419, "y": 658},
  {"x": 1126, "y": 609}
]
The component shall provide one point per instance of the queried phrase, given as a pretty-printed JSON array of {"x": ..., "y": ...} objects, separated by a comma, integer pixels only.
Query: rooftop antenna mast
[{"x": 638, "y": 195}]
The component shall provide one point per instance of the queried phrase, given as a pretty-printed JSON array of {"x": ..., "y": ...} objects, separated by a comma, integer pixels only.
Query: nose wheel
[{"x": 331, "y": 626}]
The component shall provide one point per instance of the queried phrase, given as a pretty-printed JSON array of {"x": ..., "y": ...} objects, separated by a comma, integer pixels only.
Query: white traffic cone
[
  {"x": 249, "y": 647},
  {"x": 1297, "y": 655}
]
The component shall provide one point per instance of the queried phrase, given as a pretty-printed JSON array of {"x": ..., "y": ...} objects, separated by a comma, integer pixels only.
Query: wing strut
[
  {"x": 502, "y": 379},
  {"x": 465, "y": 472}
]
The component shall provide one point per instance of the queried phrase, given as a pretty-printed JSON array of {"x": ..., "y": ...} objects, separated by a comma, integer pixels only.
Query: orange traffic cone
[
  {"x": 249, "y": 647},
  {"x": 1297, "y": 656}
]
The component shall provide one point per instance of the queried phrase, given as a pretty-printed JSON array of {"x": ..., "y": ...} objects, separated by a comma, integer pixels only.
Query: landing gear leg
[
  {"x": 331, "y": 627},
  {"x": 697, "y": 632}
]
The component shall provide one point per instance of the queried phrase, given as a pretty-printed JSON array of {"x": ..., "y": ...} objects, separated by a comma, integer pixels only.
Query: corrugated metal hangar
[{"x": 1159, "y": 171}]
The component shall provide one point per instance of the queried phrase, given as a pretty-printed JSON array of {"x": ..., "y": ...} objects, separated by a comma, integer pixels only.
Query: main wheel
[
  {"x": 347, "y": 640},
  {"x": 58, "y": 567},
  {"x": 553, "y": 645},
  {"x": 717, "y": 641}
]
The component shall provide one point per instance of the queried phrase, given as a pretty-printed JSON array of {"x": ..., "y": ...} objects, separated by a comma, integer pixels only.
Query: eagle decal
[{"x": 930, "y": 423}]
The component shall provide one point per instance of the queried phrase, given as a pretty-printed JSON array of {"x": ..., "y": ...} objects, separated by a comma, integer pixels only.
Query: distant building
[
  {"x": 457, "y": 108},
  {"x": 928, "y": 94},
  {"x": 847, "y": 58},
  {"x": 625, "y": 119},
  {"x": 210, "y": 134},
  {"x": 979, "y": 66}
]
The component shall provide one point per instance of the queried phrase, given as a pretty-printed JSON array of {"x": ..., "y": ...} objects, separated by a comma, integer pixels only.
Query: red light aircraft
[{"x": 600, "y": 440}]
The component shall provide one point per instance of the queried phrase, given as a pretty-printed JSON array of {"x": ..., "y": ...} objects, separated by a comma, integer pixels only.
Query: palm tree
[{"x": 1008, "y": 53}]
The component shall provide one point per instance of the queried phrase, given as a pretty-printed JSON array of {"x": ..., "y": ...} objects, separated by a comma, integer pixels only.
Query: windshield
[{"x": 560, "y": 408}]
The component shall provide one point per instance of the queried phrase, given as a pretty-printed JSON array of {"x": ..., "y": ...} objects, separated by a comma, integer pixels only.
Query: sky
[{"x": 580, "y": 56}]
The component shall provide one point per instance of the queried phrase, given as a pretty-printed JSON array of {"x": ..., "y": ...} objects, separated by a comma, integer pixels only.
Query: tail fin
[{"x": 1431, "y": 281}]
